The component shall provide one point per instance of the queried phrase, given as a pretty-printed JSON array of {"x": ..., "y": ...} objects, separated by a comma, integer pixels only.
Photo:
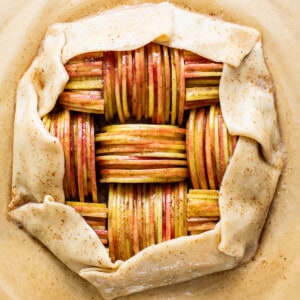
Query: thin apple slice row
[
  {"x": 85, "y": 83},
  {"x": 182, "y": 94},
  {"x": 204, "y": 67},
  {"x": 158, "y": 155},
  {"x": 190, "y": 149},
  {"x": 73, "y": 191},
  {"x": 136, "y": 240},
  {"x": 209, "y": 164},
  {"x": 191, "y": 57},
  {"x": 75, "y": 154},
  {"x": 139, "y": 216},
  {"x": 150, "y": 81},
  {"x": 88, "y": 151},
  {"x": 160, "y": 87},
  {"x": 138, "y": 82},
  {"x": 164, "y": 224},
  {"x": 118, "y": 73},
  {"x": 80, "y": 157},
  {"x": 142, "y": 100},
  {"x": 130, "y": 219},
  {"x": 155, "y": 81},
  {"x": 152, "y": 214},
  {"x": 168, "y": 213},
  {"x": 166, "y": 59},
  {"x": 177, "y": 67},
  {"x": 204, "y": 193},
  {"x": 177, "y": 225},
  {"x": 183, "y": 208},
  {"x": 128, "y": 140},
  {"x": 146, "y": 215},
  {"x": 137, "y": 148},
  {"x": 124, "y": 86},
  {"x": 84, "y": 157},
  {"x": 173, "y": 89},
  {"x": 112, "y": 222},
  {"x": 103, "y": 235},
  {"x": 202, "y": 93},
  {"x": 199, "y": 103},
  {"x": 111, "y": 69},
  {"x": 166, "y": 173},
  {"x": 85, "y": 57},
  {"x": 117, "y": 162},
  {"x": 129, "y": 79},
  {"x": 159, "y": 200},
  {"x": 135, "y": 68},
  {"x": 195, "y": 74},
  {"x": 209, "y": 81},
  {"x": 95, "y": 210},
  {"x": 155, "y": 132},
  {"x": 96, "y": 223},
  {"x": 217, "y": 145},
  {"x": 140, "y": 127},
  {"x": 107, "y": 87},
  {"x": 67, "y": 151},
  {"x": 122, "y": 223},
  {"x": 141, "y": 179},
  {"x": 119, "y": 223},
  {"x": 126, "y": 222},
  {"x": 223, "y": 144},
  {"x": 92, "y": 161},
  {"x": 211, "y": 121},
  {"x": 199, "y": 143}
]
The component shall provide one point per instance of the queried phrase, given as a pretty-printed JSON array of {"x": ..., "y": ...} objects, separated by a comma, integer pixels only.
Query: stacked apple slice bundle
[
  {"x": 202, "y": 79},
  {"x": 141, "y": 153},
  {"x": 209, "y": 147},
  {"x": 202, "y": 211},
  {"x": 95, "y": 215},
  {"x": 76, "y": 134},
  {"x": 141, "y": 215}
]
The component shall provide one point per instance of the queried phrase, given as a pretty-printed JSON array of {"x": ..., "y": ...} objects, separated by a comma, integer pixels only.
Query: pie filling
[{"x": 145, "y": 144}]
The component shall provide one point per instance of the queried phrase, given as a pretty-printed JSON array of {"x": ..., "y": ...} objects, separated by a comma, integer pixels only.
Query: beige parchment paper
[{"x": 270, "y": 159}]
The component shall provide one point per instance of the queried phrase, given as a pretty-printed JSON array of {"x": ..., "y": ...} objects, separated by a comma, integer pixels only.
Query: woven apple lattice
[
  {"x": 128, "y": 165},
  {"x": 162, "y": 146}
]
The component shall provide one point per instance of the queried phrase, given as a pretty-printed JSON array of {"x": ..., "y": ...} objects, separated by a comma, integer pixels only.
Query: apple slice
[
  {"x": 136, "y": 242},
  {"x": 190, "y": 146},
  {"x": 155, "y": 81},
  {"x": 140, "y": 216},
  {"x": 84, "y": 157},
  {"x": 72, "y": 159},
  {"x": 212, "y": 114},
  {"x": 91, "y": 210},
  {"x": 146, "y": 215},
  {"x": 126, "y": 220},
  {"x": 80, "y": 157},
  {"x": 199, "y": 140},
  {"x": 106, "y": 89},
  {"x": 129, "y": 209},
  {"x": 182, "y": 95},
  {"x": 177, "y": 68},
  {"x": 168, "y": 211},
  {"x": 199, "y": 103},
  {"x": 209, "y": 81},
  {"x": 151, "y": 80},
  {"x": 88, "y": 151},
  {"x": 201, "y": 93},
  {"x": 75, "y": 146},
  {"x": 118, "y": 74},
  {"x": 129, "y": 79},
  {"x": 92, "y": 161},
  {"x": 167, "y": 77},
  {"x": 192, "y": 67},
  {"x": 209, "y": 164},
  {"x": 164, "y": 224},
  {"x": 173, "y": 89},
  {"x": 111, "y": 223},
  {"x": 85, "y": 83},
  {"x": 160, "y": 91},
  {"x": 120, "y": 221},
  {"x": 143, "y": 82},
  {"x": 124, "y": 86},
  {"x": 159, "y": 210},
  {"x": 183, "y": 208},
  {"x": 217, "y": 145},
  {"x": 135, "y": 74},
  {"x": 67, "y": 150},
  {"x": 81, "y": 69},
  {"x": 152, "y": 213}
]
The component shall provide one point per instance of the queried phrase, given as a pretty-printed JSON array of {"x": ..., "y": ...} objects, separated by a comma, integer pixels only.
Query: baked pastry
[{"x": 247, "y": 187}]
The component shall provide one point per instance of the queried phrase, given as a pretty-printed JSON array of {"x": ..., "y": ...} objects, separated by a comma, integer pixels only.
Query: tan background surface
[{"x": 29, "y": 271}]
